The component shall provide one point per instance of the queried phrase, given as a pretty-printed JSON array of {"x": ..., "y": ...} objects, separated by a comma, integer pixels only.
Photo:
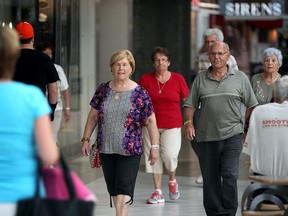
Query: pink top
[{"x": 167, "y": 103}]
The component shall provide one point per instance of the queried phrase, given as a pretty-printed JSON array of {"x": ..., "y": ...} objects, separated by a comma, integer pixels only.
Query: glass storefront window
[
  {"x": 55, "y": 21},
  {"x": 59, "y": 24},
  {"x": 11, "y": 12},
  {"x": 46, "y": 21}
]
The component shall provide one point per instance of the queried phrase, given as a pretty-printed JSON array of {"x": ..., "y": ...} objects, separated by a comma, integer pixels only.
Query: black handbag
[{"x": 39, "y": 206}]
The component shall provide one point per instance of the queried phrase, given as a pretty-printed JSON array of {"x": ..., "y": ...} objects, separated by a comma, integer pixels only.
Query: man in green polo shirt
[{"x": 220, "y": 90}]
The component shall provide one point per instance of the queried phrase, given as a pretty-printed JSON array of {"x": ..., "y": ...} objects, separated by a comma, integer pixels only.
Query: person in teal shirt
[{"x": 25, "y": 129}]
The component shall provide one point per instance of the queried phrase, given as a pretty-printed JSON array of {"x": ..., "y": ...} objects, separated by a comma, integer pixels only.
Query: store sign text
[{"x": 253, "y": 9}]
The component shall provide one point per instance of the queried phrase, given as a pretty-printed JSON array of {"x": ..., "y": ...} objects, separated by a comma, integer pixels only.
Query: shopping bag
[
  {"x": 56, "y": 188},
  {"x": 39, "y": 206}
]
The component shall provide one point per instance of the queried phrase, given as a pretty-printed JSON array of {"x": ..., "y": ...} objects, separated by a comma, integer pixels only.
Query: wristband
[
  {"x": 155, "y": 146},
  {"x": 186, "y": 122},
  {"x": 67, "y": 108}
]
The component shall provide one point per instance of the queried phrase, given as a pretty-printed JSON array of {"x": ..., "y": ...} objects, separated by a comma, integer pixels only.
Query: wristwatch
[{"x": 85, "y": 139}]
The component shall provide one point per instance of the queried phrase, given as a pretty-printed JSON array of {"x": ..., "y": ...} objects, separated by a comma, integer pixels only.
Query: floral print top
[{"x": 120, "y": 120}]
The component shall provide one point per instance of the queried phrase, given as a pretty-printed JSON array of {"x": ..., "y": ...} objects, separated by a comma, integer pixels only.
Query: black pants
[
  {"x": 120, "y": 173},
  {"x": 219, "y": 163}
]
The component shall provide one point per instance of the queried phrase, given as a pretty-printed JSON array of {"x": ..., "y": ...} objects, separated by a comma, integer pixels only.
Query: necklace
[
  {"x": 117, "y": 95},
  {"x": 160, "y": 89}
]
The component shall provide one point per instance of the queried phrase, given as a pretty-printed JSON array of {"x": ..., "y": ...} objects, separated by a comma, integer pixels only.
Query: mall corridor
[{"x": 189, "y": 203}]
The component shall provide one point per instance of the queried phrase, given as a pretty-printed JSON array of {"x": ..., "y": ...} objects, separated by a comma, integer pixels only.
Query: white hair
[
  {"x": 281, "y": 88},
  {"x": 215, "y": 31},
  {"x": 272, "y": 51}
]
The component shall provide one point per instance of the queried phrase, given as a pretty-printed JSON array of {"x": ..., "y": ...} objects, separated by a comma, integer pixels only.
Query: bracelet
[
  {"x": 85, "y": 139},
  {"x": 67, "y": 108},
  {"x": 186, "y": 122},
  {"x": 155, "y": 146}
]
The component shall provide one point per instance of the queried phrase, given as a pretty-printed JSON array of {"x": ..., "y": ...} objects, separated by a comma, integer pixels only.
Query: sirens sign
[{"x": 253, "y": 9}]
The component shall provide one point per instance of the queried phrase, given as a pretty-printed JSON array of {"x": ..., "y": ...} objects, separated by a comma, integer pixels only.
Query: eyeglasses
[
  {"x": 157, "y": 61},
  {"x": 220, "y": 54}
]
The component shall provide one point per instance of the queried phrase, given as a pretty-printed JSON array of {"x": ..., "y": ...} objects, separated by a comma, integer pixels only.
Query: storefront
[
  {"x": 250, "y": 27},
  {"x": 84, "y": 34},
  {"x": 56, "y": 21}
]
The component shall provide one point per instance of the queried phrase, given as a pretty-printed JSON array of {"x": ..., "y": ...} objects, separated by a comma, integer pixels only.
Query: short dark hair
[
  {"x": 44, "y": 45},
  {"x": 26, "y": 41},
  {"x": 160, "y": 50}
]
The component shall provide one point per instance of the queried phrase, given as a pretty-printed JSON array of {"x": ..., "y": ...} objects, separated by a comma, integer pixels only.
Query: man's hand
[{"x": 189, "y": 131}]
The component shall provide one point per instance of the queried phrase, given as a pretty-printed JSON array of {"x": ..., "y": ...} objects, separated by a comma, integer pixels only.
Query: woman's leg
[
  {"x": 170, "y": 145},
  {"x": 157, "y": 178},
  {"x": 125, "y": 179},
  {"x": 121, "y": 203},
  {"x": 156, "y": 170}
]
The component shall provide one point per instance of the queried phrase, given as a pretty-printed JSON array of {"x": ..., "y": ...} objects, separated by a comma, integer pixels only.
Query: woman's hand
[
  {"x": 154, "y": 139},
  {"x": 90, "y": 125},
  {"x": 85, "y": 148},
  {"x": 153, "y": 157}
]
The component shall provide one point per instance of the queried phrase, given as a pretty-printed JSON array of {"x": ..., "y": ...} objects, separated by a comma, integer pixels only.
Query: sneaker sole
[{"x": 157, "y": 202}]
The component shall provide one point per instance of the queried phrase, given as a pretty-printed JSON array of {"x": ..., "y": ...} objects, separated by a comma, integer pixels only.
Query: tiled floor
[{"x": 189, "y": 203}]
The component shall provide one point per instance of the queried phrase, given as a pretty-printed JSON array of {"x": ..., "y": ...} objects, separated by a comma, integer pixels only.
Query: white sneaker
[{"x": 199, "y": 180}]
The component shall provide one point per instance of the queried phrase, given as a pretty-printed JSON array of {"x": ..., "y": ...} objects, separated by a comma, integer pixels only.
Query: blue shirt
[{"x": 21, "y": 105}]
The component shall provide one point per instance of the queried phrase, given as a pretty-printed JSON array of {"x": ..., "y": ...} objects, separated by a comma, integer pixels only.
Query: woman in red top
[{"x": 166, "y": 90}]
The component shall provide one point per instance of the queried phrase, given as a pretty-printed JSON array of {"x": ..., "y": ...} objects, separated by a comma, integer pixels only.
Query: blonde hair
[
  {"x": 9, "y": 51},
  {"x": 121, "y": 54}
]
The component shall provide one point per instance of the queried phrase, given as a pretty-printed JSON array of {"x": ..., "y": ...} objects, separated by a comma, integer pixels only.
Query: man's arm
[
  {"x": 66, "y": 98},
  {"x": 188, "y": 122},
  {"x": 247, "y": 117},
  {"x": 52, "y": 94},
  {"x": 52, "y": 91}
]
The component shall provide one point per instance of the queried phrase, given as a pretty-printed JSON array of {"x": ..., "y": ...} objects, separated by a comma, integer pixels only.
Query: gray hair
[
  {"x": 214, "y": 31},
  {"x": 281, "y": 88},
  {"x": 223, "y": 44},
  {"x": 272, "y": 51}
]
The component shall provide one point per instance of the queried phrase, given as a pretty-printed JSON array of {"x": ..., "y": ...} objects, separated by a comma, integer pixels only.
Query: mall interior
[{"x": 86, "y": 32}]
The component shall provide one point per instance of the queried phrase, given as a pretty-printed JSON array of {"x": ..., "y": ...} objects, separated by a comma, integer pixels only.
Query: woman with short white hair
[{"x": 263, "y": 83}]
